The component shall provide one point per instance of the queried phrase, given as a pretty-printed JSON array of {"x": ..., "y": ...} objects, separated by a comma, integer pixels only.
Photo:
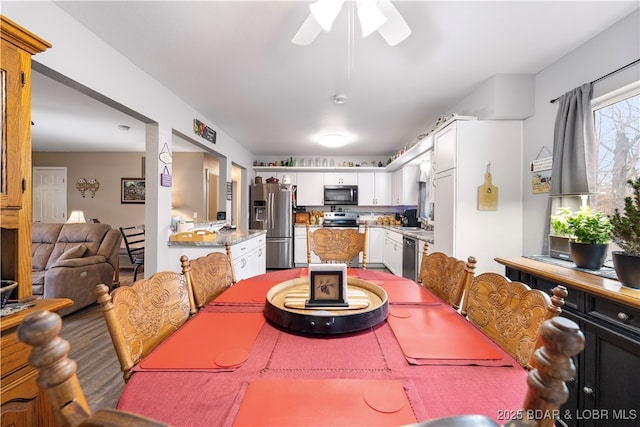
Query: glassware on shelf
[
  {"x": 325, "y": 163},
  {"x": 317, "y": 161},
  {"x": 332, "y": 162}
]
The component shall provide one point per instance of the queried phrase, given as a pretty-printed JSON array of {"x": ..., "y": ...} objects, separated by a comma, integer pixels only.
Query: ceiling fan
[{"x": 373, "y": 15}]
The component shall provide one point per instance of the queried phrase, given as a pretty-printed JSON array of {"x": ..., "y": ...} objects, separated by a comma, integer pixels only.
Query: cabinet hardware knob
[
  {"x": 623, "y": 316},
  {"x": 588, "y": 391}
]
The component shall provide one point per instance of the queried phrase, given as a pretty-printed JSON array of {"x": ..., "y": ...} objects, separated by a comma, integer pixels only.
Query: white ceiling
[{"x": 234, "y": 62}]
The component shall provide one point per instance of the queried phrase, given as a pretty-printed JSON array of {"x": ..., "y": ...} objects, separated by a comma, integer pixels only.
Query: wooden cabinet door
[{"x": 15, "y": 80}]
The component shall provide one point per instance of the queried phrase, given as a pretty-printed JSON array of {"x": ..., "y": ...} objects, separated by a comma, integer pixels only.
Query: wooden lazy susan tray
[{"x": 285, "y": 306}]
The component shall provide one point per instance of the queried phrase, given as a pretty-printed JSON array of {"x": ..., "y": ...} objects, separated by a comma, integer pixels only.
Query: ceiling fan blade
[
  {"x": 395, "y": 29},
  {"x": 307, "y": 32}
]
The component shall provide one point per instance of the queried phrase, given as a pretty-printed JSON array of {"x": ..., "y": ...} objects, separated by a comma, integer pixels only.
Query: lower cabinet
[
  {"x": 22, "y": 403},
  {"x": 605, "y": 391},
  {"x": 375, "y": 247},
  {"x": 300, "y": 246},
  {"x": 392, "y": 256},
  {"x": 249, "y": 257}
]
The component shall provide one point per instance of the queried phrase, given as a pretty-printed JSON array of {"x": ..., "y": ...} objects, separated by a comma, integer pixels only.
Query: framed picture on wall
[{"x": 132, "y": 190}]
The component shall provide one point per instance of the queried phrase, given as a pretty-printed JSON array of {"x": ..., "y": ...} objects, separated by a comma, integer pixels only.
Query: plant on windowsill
[
  {"x": 559, "y": 237},
  {"x": 590, "y": 237},
  {"x": 626, "y": 234}
]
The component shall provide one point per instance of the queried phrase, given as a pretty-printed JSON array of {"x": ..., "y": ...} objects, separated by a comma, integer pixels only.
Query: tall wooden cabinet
[
  {"x": 22, "y": 403},
  {"x": 18, "y": 45}
]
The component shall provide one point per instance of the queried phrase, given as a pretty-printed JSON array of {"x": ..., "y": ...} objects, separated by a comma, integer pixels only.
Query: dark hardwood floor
[{"x": 98, "y": 368}]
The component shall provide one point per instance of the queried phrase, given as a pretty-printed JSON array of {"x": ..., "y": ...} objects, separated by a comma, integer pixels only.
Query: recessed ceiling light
[
  {"x": 124, "y": 128},
  {"x": 333, "y": 140}
]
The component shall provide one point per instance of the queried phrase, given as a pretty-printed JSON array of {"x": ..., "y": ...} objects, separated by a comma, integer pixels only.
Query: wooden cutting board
[{"x": 487, "y": 195}]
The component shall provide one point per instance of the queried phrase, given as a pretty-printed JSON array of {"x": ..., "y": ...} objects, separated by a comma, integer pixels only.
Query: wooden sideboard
[
  {"x": 22, "y": 402},
  {"x": 605, "y": 391}
]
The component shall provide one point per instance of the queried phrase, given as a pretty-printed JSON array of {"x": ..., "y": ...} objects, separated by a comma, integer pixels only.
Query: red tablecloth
[{"x": 373, "y": 356}]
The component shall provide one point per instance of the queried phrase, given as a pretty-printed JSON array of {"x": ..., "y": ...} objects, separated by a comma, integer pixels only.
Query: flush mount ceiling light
[
  {"x": 124, "y": 128},
  {"x": 339, "y": 99},
  {"x": 333, "y": 140},
  {"x": 373, "y": 15}
]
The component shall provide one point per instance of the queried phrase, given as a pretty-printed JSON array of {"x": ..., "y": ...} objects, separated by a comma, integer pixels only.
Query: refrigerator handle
[{"x": 271, "y": 219}]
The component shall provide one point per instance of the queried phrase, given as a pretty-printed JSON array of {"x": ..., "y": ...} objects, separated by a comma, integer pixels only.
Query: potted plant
[
  {"x": 625, "y": 233},
  {"x": 560, "y": 234},
  {"x": 590, "y": 237}
]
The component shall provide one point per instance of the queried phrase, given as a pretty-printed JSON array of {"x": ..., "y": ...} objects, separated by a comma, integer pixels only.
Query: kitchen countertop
[
  {"x": 222, "y": 237},
  {"x": 415, "y": 232}
]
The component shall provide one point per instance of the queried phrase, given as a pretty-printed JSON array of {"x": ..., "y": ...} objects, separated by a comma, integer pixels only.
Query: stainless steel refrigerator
[{"x": 272, "y": 210}]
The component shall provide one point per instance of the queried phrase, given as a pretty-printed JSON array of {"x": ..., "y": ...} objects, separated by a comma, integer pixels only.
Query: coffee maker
[{"x": 410, "y": 218}]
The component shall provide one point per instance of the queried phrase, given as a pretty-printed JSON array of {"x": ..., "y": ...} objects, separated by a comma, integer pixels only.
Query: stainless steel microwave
[{"x": 340, "y": 195}]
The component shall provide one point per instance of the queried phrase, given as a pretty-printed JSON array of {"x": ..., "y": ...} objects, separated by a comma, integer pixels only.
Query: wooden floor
[{"x": 98, "y": 368}]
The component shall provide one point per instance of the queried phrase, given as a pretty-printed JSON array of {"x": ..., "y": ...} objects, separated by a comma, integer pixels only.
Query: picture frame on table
[
  {"x": 327, "y": 285},
  {"x": 132, "y": 190}
]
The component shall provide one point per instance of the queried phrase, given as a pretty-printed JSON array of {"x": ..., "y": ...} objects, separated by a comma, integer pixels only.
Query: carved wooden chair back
[
  {"x": 139, "y": 317},
  {"x": 510, "y": 313},
  {"x": 446, "y": 276},
  {"x": 208, "y": 276},
  {"x": 552, "y": 367},
  {"x": 338, "y": 245},
  {"x": 57, "y": 376}
]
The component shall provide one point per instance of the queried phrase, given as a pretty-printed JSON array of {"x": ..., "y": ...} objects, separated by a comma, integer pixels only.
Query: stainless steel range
[{"x": 340, "y": 219}]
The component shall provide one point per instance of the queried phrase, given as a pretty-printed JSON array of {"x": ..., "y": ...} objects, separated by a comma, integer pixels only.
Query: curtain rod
[{"x": 606, "y": 75}]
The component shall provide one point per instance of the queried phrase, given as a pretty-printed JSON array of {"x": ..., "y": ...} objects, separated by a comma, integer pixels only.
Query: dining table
[{"x": 229, "y": 365}]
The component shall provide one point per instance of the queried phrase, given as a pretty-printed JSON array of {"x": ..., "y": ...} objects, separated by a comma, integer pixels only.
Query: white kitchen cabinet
[
  {"x": 300, "y": 247},
  {"x": 249, "y": 257},
  {"x": 462, "y": 151},
  {"x": 392, "y": 256},
  {"x": 375, "y": 246},
  {"x": 405, "y": 186},
  {"x": 374, "y": 189},
  {"x": 340, "y": 178},
  {"x": 310, "y": 189}
]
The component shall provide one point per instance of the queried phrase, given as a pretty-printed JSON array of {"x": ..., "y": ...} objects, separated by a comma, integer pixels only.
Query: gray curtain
[{"x": 575, "y": 149}]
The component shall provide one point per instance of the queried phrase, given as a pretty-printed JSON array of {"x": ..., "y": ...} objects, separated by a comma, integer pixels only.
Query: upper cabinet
[
  {"x": 18, "y": 45},
  {"x": 340, "y": 178},
  {"x": 374, "y": 189},
  {"x": 405, "y": 186},
  {"x": 310, "y": 189}
]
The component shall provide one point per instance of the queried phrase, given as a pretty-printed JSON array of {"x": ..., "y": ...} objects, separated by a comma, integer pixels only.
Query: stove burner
[{"x": 340, "y": 219}]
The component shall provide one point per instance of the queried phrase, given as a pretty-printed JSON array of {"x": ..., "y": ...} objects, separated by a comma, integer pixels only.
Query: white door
[{"x": 50, "y": 194}]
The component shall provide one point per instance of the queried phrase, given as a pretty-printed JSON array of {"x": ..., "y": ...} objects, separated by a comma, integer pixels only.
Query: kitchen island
[{"x": 248, "y": 250}]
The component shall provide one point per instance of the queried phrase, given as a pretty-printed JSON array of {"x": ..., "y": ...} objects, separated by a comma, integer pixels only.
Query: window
[{"x": 617, "y": 128}]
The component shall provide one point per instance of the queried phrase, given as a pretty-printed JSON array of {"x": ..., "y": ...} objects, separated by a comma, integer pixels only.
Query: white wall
[{"x": 613, "y": 48}]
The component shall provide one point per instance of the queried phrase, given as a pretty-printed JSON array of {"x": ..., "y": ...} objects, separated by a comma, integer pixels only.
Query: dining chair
[
  {"x": 57, "y": 376},
  {"x": 134, "y": 242},
  {"x": 510, "y": 312},
  {"x": 553, "y": 366},
  {"x": 338, "y": 245},
  {"x": 140, "y": 316},
  {"x": 446, "y": 276},
  {"x": 208, "y": 276}
]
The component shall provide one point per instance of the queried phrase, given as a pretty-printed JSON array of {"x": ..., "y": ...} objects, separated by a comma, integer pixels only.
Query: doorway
[{"x": 49, "y": 194}]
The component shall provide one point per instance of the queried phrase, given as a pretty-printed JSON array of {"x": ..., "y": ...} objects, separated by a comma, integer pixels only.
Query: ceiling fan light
[
  {"x": 370, "y": 17},
  {"x": 325, "y": 12},
  {"x": 333, "y": 140}
]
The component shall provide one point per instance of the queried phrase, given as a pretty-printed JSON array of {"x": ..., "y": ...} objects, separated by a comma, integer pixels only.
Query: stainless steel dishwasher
[{"x": 409, "y": 258}]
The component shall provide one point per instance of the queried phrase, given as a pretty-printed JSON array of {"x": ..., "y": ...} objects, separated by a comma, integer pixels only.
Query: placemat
[
  {"x": 302, "y": 402},
  {"x": 401, "y": 292},
  {"x": 208, "y": 341},
  {"x": 438, "y": 333}
]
